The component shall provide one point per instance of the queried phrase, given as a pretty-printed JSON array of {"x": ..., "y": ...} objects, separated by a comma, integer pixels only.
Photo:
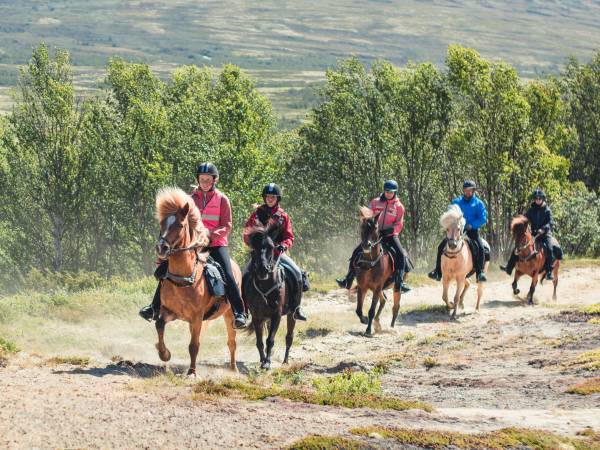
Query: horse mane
[
  {"x": 273, "y": 228},
  {"x": 518, "y": 225},
  {"x": 169, "y": 200},
  {"x": 453, "y": 215},
  {"x": 365, "y": 213}
]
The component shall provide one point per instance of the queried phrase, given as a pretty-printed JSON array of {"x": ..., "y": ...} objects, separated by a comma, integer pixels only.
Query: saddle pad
[{"x": 214, "y": 278}]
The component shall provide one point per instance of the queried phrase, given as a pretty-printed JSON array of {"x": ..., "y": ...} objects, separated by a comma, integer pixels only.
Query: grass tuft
[
  {"x": 589, "y": 361},
  {"x": 588, "y": 387},
  {"x": 345, "y": 390},
  {"x": 495, "y": 440},
  {"x": 327, "y": 443},
  {"x": 430, "y": 362}
]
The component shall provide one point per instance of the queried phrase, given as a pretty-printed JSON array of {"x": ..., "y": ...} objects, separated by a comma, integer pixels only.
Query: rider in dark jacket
[{"x": 540, "y": 218}]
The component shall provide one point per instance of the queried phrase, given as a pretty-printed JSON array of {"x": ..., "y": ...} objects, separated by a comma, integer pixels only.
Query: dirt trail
[{"x": 501, "y": 367}]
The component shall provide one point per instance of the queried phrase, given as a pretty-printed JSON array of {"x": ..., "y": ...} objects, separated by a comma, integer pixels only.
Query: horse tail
[{"x": 249, "y": 330}]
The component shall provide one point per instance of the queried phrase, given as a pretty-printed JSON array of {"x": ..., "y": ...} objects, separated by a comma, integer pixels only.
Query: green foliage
[
  {"x": 327, "y": 443},
  {"x": 349, "y": 382},
  {"x": 501, "y": 439}
]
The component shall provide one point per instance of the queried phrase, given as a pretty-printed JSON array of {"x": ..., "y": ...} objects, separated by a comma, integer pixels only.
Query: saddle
[{"x": 213, "y": 274}]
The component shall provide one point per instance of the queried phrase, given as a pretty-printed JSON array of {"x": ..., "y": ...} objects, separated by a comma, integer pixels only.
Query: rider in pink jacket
[{"x": 391, "y": 223}]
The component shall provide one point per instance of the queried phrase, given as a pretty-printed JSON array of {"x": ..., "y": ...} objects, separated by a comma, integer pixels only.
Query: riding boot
[
  {"x": 510, "y": 265},
  {"x": 346, "y": 282},
  {"x": 549, "y": 265},
  {"x": 478, "y": 260},
  {"x": 436, "y": 274},
  {"x": 152, "y": 311}
]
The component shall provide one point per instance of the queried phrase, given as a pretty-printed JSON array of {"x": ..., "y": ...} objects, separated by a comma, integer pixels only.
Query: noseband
[{"x": 271, "y": 269}]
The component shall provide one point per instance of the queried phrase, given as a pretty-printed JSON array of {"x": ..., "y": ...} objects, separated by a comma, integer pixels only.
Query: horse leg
[
  {"x": 258, "y": 330},
  {"x": 273, "y": 326},
  {"x": 462, "y": 295},
  {"x": 382, "y": 300},
  {"x": 555, "y": 280},
  {"x": 396, "y": 307},
  {"x": 195, "y": 328},
  {"x": 479, "y": 295},
  {"x": 534, "y": 280},
  {"x": 289, "y": 337},
  {"x": 231, "y": 342},
  {"x": 163, "y": 352},
  {"x": 446, "y": 285},
  {"x": 460, "y": 285},
  {"x": 360, "y": 299},
  {"x": 372, "y": 309},
  {"x": 515, "y": 289}
]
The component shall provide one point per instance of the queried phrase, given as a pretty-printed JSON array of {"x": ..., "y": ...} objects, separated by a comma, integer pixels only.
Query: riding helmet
[
  {"x": 538, "y": 193},
  {"x": 469, "y": 184},
  {"x": 390, "y": 185},
  {"x": 271, "y": 189},
  {"x": 207, "y": 168}
]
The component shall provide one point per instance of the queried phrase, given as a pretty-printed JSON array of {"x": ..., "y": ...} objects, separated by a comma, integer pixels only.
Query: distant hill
[{"x": 288, "y": 44}]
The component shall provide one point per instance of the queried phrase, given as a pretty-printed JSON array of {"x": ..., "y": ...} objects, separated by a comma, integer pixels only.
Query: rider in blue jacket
[{"x": 475, "y": 215}]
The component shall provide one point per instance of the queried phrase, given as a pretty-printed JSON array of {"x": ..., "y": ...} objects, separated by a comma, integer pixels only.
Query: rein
[
  {"x": 178, "y": 280},
  {"x": 368, "y": 264},
  {"x": 276, "y": 286},
  {"x": 454, "y": 254},
  {"x": 527, "y": 245}
]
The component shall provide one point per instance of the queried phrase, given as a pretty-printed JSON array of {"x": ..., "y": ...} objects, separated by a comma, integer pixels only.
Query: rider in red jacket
[
  {"x": 391, "y": 223},
  {"x": 271, "y": 210}
]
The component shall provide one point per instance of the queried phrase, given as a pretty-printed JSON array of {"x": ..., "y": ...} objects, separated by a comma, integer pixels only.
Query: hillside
[{"x": 287, "y": 45}]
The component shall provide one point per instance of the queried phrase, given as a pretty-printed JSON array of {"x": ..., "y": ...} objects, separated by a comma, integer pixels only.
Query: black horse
[{"x": 266, "y": 290}]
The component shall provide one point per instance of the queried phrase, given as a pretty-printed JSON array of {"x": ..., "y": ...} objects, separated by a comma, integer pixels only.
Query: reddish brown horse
[
  {"x": 531, "y": 258},
  {"x": 374, "y": 270},
  {"x": 184, "y": 294}
]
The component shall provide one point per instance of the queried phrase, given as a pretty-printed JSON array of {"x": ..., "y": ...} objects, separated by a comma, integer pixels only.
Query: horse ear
[{"x": 183, "y": 212}]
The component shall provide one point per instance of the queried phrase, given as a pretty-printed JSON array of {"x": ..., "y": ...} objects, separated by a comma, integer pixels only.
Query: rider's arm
[
  {"x": 399, "y": 222},
  {"x": 549, "y": 225},
  {"x": 481, "y": 218},
  {"x": 288, "y": 234},
  {"x": 224, "y": 227}
]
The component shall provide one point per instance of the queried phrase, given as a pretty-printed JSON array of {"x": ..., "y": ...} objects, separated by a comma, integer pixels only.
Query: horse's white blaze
[{"x": 170, "y": 221}]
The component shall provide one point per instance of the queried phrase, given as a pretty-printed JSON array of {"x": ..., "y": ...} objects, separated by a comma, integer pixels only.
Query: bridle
[
  {"x": 454, "y": 253},
  {"x": 273, "y": 269},
  {"x": 178, "y": 280},
  {"x": 369, "y": 263},
  {"x": 530, "y": 244}
]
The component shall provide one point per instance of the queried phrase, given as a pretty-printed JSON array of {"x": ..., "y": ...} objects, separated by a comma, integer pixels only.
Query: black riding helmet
[
  {"x": 271, "y": 189},
  {"x": 390, "y": 185},
  {"x": 469, "y": 184},
  {"x": 538, "y": 193},
  {"x": 208, "y": 169}
]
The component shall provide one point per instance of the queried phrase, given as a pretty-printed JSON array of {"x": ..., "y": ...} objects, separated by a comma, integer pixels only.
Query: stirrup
[
  {"x": 342, "y": 283},
  {"x": 148, "y": 313},
  {"x": 434, "y": 275},
  {"x": 239, "y": 321},
  {"x": 298, "y": 314}
]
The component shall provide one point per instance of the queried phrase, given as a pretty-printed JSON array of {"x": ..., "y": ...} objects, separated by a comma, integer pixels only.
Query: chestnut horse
[
  {"x": 457, "y": 261},
  {"x": 374, "y": 270},
  {"x": 531, "y": 258},
  {"x": 184, "y": 294},
  {"x": 265, "y": 289}
]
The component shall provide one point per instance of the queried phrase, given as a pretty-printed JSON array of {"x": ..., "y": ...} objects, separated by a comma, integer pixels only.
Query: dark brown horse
[
  {"x": 374, "y": 270},
  {"x": 531, "y": 257},
  {"x": 264, "y": 289},
  {"x": 185, "y": 295}
]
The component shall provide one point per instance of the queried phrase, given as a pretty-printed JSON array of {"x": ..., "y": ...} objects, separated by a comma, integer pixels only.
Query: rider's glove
[{"x": 281, "y": 248}]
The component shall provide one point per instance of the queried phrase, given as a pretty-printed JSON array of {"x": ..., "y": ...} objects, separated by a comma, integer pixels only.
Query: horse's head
[
  {"x": 262, "y": 242},
  {"x": 453, "y": 223},
  {"x": 180, "y": 222},
  {"x": 369, "y": 229},
  {"x": 173, "y": 230},
  {"x": 519, "y": 227}
]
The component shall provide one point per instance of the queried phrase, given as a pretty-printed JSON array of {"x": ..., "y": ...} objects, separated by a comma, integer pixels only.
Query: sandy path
[{"x": 498, "y": 368}]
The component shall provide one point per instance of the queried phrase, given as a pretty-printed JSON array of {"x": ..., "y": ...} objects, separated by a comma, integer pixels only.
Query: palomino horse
[
  {"x": 374, "y": 270},
  {"x": 457, "y": 261},
  {"x": 184, "y": 293},
  {"x": 531, "y": 261},
  {"x": 265, "y": 289}
]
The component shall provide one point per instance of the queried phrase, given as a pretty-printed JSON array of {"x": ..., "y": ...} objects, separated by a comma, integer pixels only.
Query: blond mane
[
  {"x": 453, "y": 216},
  {"x": 169, "y": 200}
]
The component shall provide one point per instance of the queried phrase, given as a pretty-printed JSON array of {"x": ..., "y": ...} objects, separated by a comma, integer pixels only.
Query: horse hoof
[
  {"x": 368, "y": 333},
  {"x": 191, "y": 373},
  {"x": 530, "y": 302},
  {"x": 516, "y": 291},
  {"x": 164, "y": 355},
  {"x": 266, "y": 365},
  {"x": 364, "y": 320}
]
